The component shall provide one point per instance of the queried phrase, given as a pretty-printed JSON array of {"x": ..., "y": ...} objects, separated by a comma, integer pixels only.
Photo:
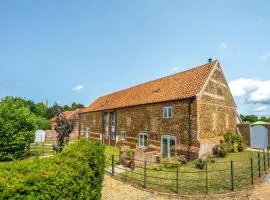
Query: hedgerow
[{"x": 76, "y": 173}]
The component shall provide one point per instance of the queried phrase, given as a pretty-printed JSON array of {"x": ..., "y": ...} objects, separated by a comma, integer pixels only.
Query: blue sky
[{"x": 69, "y": 51}]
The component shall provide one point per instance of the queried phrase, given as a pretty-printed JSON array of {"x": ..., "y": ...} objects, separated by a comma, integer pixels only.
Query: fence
[
  {"x": 216, "y": 177},
  {"x": 42, "y": 149}
]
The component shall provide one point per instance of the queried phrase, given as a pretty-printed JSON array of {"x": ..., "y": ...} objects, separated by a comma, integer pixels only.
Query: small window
[
  {"x": 123, "y": 135},
  {"x": 143, "y": 140},
  {"x": 167, "y": 112}
]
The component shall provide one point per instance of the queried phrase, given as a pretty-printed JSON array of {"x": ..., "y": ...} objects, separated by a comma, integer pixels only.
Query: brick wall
[
  {"x": 147, "y": 119},
  {"x": 244, "y": 129},
  {"x": 216, "y": 108}
]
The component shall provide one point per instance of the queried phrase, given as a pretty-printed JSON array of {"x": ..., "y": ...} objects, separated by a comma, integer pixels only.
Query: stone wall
[
  {"x": 244, "y": 130},
  {"x": 146, "y": 119},
  {"x": 216, "y": 108}
]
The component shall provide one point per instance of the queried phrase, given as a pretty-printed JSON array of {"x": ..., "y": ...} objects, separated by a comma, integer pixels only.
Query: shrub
[
  {"x": 76, "y": 173},
  {"x": 171, "y": 162},
  {"x": 199, "y": 164},
  {"x": 17, "y": 129},
  {"x": 182, "y": 159},
  {"x": 235, "y": 142},
  {"x": 174, "y": 161},
  {"x": 222, "y": 150}
]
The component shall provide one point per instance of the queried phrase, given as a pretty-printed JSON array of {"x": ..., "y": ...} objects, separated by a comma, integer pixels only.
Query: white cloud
[
  {"x": 174, "y": 69},
  {"x": 265, "y": 56},
  {"x": 223, "y": 45},
  {"x": 254, "y": 91},
  {"x": 260, "y": 109},
  {"x": 78, "y": 88}
]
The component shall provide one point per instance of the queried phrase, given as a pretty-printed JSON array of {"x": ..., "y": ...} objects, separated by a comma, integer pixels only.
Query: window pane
[
  {"x": 169, "y": 111},
  {"x": 145, "y": 140},
  {"x": 165, "y": 112},
  {"x": 141, "y": 140}
]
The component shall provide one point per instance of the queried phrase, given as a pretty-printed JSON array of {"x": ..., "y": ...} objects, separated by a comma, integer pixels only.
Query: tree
[
  {"x": 41, "y": 110},
  {"x": 249, "y": 118},
  {"x": 55, "y": 110},
  {"x": 43, "y": 123},
  {"x": 64, "y": 128},
  {"x": 73, "y": 106},
  {"x": 17, "y": 128}
]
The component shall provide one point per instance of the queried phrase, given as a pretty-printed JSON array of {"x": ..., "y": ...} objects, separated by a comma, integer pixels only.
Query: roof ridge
[{"x": 191, "y": 69}]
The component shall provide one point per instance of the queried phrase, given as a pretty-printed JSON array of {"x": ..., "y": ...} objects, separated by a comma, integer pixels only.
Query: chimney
[{"x": 209, "y": 60}]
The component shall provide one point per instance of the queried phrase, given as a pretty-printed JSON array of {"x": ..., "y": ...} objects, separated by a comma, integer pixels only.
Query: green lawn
[
  {"x": 217, "y": 179},
  {"x": 109, "y": 151}
]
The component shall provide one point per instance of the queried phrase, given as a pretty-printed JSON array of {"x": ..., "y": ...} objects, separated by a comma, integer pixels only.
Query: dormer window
[{"x": 167, "y": 112}]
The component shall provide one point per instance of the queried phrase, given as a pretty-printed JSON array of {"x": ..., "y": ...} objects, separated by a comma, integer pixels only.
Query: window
[
  {"x": 113, "y": 132},
  {"x": 106, "y": 125},
  {"x": 167, "y": 112},
  {"x": 123, "y": 135},
  {"x": 143, "y": 140}
]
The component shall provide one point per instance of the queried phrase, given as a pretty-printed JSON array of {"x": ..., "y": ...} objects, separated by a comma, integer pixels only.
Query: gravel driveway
[{"x": 118, "y": 190}]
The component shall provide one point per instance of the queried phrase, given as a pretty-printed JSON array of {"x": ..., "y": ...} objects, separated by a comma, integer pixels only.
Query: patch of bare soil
[
  {"x": 261, "y": 192},
  {"x": 117, "y": 190}
]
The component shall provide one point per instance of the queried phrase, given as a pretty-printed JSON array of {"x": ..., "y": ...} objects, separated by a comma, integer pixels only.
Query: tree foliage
[
  {"x": 64, "y": 128},
  {"x": 254, "y": 118},
  {"x": 76, "y": 173},
  {"x": 73, "y": 106},
  {"x": 17, "y": 126}
]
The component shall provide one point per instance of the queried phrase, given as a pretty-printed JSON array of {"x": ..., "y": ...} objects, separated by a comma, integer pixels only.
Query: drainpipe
[{"x": 189, "y": 126}]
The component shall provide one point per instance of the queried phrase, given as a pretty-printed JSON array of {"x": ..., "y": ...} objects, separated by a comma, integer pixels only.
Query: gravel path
[{"x": 118, "y": 190}]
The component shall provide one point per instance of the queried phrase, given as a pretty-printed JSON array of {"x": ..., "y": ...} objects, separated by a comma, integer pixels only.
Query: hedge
[{"x": 76, "y": 173}]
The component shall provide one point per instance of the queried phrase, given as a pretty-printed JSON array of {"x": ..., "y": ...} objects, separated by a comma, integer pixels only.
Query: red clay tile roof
[
  {"x": 178, "y": 86},
  {"x": 68, "y": 115}
]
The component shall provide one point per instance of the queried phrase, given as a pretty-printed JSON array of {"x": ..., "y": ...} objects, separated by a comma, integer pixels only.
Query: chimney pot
[{"x": 210, "y": 60}]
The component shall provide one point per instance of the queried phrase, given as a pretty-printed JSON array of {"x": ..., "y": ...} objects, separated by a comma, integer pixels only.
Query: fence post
[
  {"x": 206, "y": 178},
  {"x": 145, "y": 174},
  {"x": 232, "y": 176},
  {"x": 112, "y": 164},
  {"x": 251, "y": 171},
  {"x": 264, "y": 162},
  {"x": 177, "y": 179},
  {"x": 268, "y": 161},
  {"x": 259, "y": 164}
]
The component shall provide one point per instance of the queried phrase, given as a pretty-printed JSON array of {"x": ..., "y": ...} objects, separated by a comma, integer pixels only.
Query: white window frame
[
  {"x": 143, "y": 145},
  {"x": 123, "y": 133},
  {"x": 168, "y": 137},
  {"x": 166, "y": 112},
  {"x": 107, "y": 125},
  {"x": 113, "y": 131}
]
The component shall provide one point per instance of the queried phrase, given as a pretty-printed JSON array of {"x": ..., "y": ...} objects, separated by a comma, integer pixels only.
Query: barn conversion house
[{"x": 188, "y": 111}]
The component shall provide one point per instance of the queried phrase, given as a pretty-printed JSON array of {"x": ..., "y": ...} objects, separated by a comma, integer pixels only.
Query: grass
[
  {"x": 109, "y": 151},
  {"x": 192, "y": 180}
]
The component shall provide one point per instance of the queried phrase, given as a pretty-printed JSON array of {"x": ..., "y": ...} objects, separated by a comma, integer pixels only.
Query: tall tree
[{"x": 17, "y": 128}]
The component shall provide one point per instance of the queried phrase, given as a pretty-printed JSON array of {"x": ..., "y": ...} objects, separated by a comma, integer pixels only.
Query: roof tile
[{"x": 178, "y": 86}]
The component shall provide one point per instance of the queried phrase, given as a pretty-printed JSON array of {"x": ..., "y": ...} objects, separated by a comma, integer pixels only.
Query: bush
[
  {"x": 43, "y": 123},
  {"x": 235, "y": 142},
  {"x": 199, "y": 164},
  {"x": 174, "y": 161},
  {"x": 222, "y": 150},
  {"x": 17, "y": 129},
  {"x": 171, "y": 162},
  {"x": 76, "y": 173}
]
